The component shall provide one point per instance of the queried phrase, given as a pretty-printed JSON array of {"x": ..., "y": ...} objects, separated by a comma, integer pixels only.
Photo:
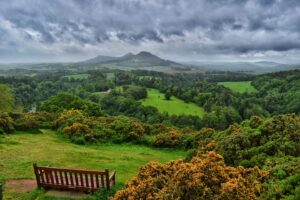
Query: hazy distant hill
[
  {"x": 147, "y": 61},
  {"x": 254, "y": 67},
  {"x": 142, "y": 59},
  {"x": 99, "y": 59}
]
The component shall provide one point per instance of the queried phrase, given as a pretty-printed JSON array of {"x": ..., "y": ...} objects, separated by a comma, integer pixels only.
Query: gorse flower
[{"x": 202, "y": 178}]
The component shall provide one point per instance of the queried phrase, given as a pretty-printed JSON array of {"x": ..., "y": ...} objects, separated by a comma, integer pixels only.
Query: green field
[
  {"x": 19, "y": 150},
  {"x": 174, "y": 106},
  {"x": 78, "y": 76},
  {"x": 241, "y": 87}
]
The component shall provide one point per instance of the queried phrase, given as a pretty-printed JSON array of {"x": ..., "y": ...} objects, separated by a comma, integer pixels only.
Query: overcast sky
[{"x": 182, "y": 30}]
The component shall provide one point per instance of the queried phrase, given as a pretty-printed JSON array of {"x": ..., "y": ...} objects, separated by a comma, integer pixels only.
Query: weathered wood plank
[
  {"x": 76, "y": 179},
  {"x": 73, "y": 179},
  {"x": 61, "y": 177},
  {"x": 97, "y": 181}
]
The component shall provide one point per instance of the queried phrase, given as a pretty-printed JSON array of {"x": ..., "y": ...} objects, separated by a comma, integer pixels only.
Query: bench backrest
[{"x": 82, "y": 180}]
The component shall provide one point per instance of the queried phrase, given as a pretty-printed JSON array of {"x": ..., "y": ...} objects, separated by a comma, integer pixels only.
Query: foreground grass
[
  {"x": 20, "y": 150},
  {"x": 174, "y": 106},
  {"x": 241, "y": 87}
]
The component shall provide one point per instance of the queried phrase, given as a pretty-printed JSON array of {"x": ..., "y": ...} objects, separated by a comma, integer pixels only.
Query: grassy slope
[
  {"x": 241, "y": 87},
  {"x": 174, "y": 106},
  {"x": 18, "y": 152}
]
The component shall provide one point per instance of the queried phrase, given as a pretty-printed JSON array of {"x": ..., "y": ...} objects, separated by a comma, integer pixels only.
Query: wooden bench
[{"x": 73, "y": 179}]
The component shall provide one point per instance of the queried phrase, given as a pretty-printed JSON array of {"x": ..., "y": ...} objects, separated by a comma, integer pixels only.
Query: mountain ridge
[{"x": 141, "y": 59}]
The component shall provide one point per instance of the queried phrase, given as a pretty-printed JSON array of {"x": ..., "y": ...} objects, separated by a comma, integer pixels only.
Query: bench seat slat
[
  {"x": 61, "y": 177},
  {"x": 76, "y": 179},
  {"x": 56, "y": 177},
  {"x": 81, "y": 180},
  {"x": 86, "y": 179},
  {"x": 71, "y": 178}
]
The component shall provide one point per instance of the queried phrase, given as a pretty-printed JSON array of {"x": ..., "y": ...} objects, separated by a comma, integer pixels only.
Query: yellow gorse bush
[{"x": 205, "y": 177}]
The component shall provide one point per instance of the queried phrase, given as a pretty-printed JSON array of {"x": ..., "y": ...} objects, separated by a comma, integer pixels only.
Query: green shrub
[
  {"x": 27, "y": 122},
  {"x": 32, "y": 121},
  {"x": 169, "y": 139},
  {"x": 78, "y": 140},
  {"x": 68, "y": 117},
  {"x": 66, "y": 101},
  {"x": 76, "y": 129},
  {"x": 272, "y": 144},
  {"x": 74, "y": 123},
  {"x": 6, "y": 123},
  {"x": 135, "y": 92},
  {"x": 148, "y": 140},
  {"x": 255, "y": 121},
  {"x": 196, "y": 139},
  {"x": 103, "y": 194},
  {"x": 127, "y": 129}
]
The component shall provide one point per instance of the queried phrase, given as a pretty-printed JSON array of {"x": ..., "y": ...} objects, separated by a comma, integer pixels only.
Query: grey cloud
[{"x": 213, "y": 26}]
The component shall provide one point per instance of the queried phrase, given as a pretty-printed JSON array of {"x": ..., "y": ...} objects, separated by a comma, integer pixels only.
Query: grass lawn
[
  {"x": 174, "y": 106},
  {"x": 241, "y": 87},
  {"x": 20, "y": 150},
  {"x": 78, "y": 76}
]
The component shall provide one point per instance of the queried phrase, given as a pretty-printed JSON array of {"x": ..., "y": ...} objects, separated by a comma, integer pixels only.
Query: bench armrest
[{"x": 112, "y": 178}]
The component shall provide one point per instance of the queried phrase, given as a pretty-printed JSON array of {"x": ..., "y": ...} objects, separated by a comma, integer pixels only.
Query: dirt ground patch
[
  {"x": 20, "y": 185},
  {"x": 24, "y": 185}
]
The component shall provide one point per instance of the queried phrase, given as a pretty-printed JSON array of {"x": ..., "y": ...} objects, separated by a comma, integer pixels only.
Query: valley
[
  {"x": 149, "y": 100},
  {"x": 141, "y": 122}
]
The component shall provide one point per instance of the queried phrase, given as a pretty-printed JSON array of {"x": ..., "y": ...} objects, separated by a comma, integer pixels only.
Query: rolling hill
[
  {"x": 147, "y": 61},
  {"x": 142, "y": 59}
]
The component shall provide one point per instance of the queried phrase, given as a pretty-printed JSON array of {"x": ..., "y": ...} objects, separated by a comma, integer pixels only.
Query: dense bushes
[
  {"x": 66, "y": 101},
  {"x": 205, "y": 177},
  {"x": 6, "y": 123},
  {"x": 252, "y": 142},
  {"x": 6, "y": 98},
  {"x": 271, "y": 144},
  {"x": 127, "y": 129},
  {"x": 68, "y": 117},
  {"x": 25, "y": 121},
  {"x": 196, "y": 139},
  {"x": 168, "y": 139},
  {"x": 280, "y": 91},
  {"x": 32, "y": 121},
  {"x": 135, "y": 92},
  {"x": 78, "y": 126}
]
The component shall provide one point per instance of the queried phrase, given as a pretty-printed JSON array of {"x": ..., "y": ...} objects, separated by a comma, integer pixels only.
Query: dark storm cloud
[{"x": 203, "y": 26}]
